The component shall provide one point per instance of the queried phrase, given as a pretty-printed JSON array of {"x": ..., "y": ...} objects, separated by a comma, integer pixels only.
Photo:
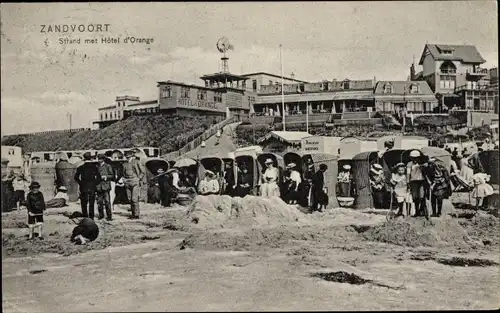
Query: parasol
[{"x": 185, "y": 162}]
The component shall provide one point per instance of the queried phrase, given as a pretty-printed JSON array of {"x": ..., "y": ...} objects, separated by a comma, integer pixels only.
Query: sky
[{"x": 43, "y": 81}]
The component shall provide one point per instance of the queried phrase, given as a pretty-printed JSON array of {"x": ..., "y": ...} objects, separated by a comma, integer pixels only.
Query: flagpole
[
  {"x": 282, "y": 91},
  {"x": 307, "y": 116}
]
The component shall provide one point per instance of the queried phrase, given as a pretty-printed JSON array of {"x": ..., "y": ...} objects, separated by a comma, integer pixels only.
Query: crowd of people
[
  {"x": 409, "y": 185},
  {"x": 423, "y": 178},
  {"x": 290, "y": 185}
]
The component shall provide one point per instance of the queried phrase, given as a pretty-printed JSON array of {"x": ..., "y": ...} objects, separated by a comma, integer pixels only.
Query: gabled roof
[
  {"x": 398, "y": 87},
  {"x": 290, "y": 137},
  {"x": 464, "y": 53}
]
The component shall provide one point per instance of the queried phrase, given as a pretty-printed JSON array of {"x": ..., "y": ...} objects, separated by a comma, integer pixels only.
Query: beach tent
[{"x": 253, "y": 168}]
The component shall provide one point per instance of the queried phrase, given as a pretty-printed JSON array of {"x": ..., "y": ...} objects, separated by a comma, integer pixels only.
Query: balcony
[
  {"x": 476, "y": 72},
  {"x": 475, "y": 86}
]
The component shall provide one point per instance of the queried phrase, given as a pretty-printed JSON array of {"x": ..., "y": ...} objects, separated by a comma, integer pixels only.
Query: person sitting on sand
[
  {"x": 345, "y": 182},
  {"x": 85, "y": 231},
  {"x": 378, "y": 188},
  {"x": 154, "y": 189},
  {"x": 209, "y": 185},
  {"x": 60, "y": 200},
  {"x": 243, "y": 186}
]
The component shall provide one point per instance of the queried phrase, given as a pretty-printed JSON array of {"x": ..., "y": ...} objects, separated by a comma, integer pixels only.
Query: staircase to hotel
[{"x": 195, "y": 143}]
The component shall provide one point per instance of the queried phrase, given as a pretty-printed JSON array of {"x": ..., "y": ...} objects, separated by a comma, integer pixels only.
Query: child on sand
[
  {"x": 35, "y": 205},
  {"x": 482, "y": 190},
  {"x": 400, "y": 187}
]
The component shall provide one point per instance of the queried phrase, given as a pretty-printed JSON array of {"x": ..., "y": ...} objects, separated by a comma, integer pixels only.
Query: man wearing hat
[
  {"x": 209, "y": 185},
  {"x": 306, "y": 186},
  {"x": 269, "y": 187},
  {"x": 87, "y": 177},
  {"x": 133, "y": 174},
  {"x": 106, "y": 175},
  {"x": 416, "y": 182},
  {"x": 377, "y": 182},
  {"x": 319, "y": 196}
]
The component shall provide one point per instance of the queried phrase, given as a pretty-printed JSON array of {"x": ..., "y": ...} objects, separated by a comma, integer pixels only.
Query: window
[
  {"x": 446, "y": 52},
  {"x": 346, "y": 84},
  {"x": 244, "y": 84},
  {"x": 251, "y": 100},
  {"x": 106, "y": 116},
  {"x": 119, "y": 103},
  {"x": 448, "y": 68},
  {"x": 447, "y": 82},
  {"x": 218, "y": 97},
  {"x": 324, "y": 86},
  {"x": 270, "y": 82},
  {"x": 119, "y": 114},
  {"x": 387, "y": 88},
  {"x": 254, "y": 85},
  {"x": 202, "y": 94},
  {"x": 102, "y": 117},
  {"x": 166, "y": 93},
  {"x": 184, "y": 92},
  {"x": 414, "y": 88},
  {"x": 301, "y": 87}
]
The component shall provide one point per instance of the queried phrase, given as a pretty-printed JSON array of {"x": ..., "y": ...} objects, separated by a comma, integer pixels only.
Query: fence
[
  {"x": 73, "y": 130},
  {"x": 193, "y": 144}
]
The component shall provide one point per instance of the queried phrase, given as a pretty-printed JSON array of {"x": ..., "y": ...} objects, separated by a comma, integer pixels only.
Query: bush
[{"x": 168, "y": 132}]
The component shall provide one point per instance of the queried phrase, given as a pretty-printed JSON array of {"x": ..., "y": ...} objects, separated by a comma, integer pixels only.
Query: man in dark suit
[
  {"x": 106, "y": 176},
  {"x": 87, "y": 176},
  {"x": 318, "y": 182},
  {"x": 133, "y": 174}
]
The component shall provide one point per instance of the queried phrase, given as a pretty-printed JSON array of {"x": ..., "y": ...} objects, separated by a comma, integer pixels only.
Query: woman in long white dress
[
  {"x": 269, "y": 187},
  {"x": 466, "y": 172}
]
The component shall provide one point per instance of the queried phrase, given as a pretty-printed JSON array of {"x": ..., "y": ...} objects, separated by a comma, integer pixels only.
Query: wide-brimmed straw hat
[
  {"x": 377, "y": 166},
  {"x": 291, "y": 165},
  {"x": 346, "y": 167},
  {"x": 62, "y": 188},
  {"x": 268, "y": 161},
  {"x": 209, "y": 172},
  {"x": 415, "y": 154}
]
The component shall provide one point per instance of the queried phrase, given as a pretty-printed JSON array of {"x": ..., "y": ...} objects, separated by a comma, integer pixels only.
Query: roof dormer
[
  {"x": 414, "y": 88},
  {"x": 388, "y": 88}
]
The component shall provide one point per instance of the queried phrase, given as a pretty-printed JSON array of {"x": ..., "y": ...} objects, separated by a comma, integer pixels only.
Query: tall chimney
[{"x": 412, "y": 72}]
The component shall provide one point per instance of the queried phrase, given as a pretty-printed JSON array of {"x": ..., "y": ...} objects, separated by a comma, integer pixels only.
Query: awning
[
  {"x": 295, "y": 98},
  {"x": 353, "y": 96},
  {"x": 429, "y": 98}
]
